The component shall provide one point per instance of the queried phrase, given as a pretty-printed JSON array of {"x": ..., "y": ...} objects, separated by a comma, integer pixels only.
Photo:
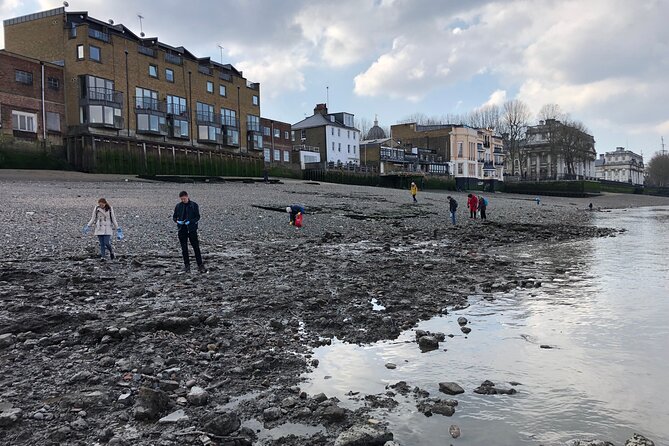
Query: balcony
[
  {"x": 150, "y": 106},
  {"x": 488, "y": 166},
  {"x": 498, "y": 151},
  {"x": 101, "y": 96},
  {"x": 99, "y": 35},
  {"x": 177, "y": 110},
  {"x": 173, "y": 59},
  {"x": 147, "y": 51},
  {"x": 205, "y": 70},
  {"x": 225, "y": 76},
  {"x": 229, "y": 121},
  {"x": 207, "y": 118},
  {"x": 305, "y": 148}
]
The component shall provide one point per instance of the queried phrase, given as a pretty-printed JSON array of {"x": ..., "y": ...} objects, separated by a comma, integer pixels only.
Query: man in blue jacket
[{"x": 186, "y": 216}]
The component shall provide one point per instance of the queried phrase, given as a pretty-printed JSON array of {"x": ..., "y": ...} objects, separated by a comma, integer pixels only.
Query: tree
[
  {"x": 658, "y": 171},
  {"x": 513, "y": 123},
  {"x": 363, "y": 124},
  {"x": 487, "y": 117},
  {"x": 575, "y": 144},
  {"x": 551, "y": 111}
]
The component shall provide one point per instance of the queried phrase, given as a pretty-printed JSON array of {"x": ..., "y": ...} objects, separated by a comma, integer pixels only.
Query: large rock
[
  {"x": 271, "y": 413},
  {"x": 639, "y": 440},
  {"x": 7, "y": 340},
  {"x": 150, "y": 403},
  {"x": 224, "y": 424},
  {"x": 431, "y": 406},
  {"x": 198, "y": 396},
  {"x": 363, "y": 436},
  {"x": 174, "y": 417},
  {"x": 428, "y": 343},
  {"x": 10, "y": 416},
  {"x": 488, "y": 388},
  {"x": 462, "y": 321},
  {"x": 451, "y": 388}
]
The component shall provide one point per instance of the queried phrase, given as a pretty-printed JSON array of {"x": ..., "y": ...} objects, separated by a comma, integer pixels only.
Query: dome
[{"x": 376, "y": 132}]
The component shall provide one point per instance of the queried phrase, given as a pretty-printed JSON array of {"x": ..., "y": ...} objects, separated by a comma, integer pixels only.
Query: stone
[
  {"x": 79, "y": 424},
  {"x": 462, "y": 321},
  {"x": 320, "y": 398},
  {"x": 466, "y": 330},
  {"x": 442, "y": 408},
  {"x": 7, "y": 340},
  {"x": 150, "y": 403},
  {"x": 174, "y": 417},
  {"x": 10, "y": 416},
  {"x": 224, "y": 424},
  {"x": 198, "y": 396},
  {"x": 391, "y": 366},
  {"x": 454, "y": 430},
  {"x": 334, "y": 413},
  {"x": 289, "y": 402},
  {"x": 488, "y": 388},
  {"x": 451, "y": 388},
  {"x": 391, "y": 443},
  {"x": 431, "y": 406},
  {"x": 168, "y": 385},
  {"x": 363, "y": 436},
  {"x": 271, "y": 414},
  {"x": 427, "y": 343},
  {"x": 639, "y": 440}
]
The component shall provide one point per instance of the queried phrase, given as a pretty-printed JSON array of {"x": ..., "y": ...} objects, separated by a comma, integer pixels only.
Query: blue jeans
[
  {"x": 453, "y": 217},
  {"x": 105, "y": 243}
]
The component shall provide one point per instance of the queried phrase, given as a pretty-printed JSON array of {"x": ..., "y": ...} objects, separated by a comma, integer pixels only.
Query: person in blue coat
[{"x": 187, "y": 215}]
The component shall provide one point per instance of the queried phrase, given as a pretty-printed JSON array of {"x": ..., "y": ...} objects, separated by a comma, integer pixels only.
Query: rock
[
  {"x": 454, "y": 430},
  {"x": 466, "y": 330},
  {"x": 174, "y": 417},
  {"x": 289, "y": 402},
  {"x": 10, "y": 416},
  {"x": 462, "y": 321},
  {"x": 271, "y": 414},
  {"x": 363, "y": 436},
  {"x": 427, "y": 343},
  {"x": 168, "y": 385},
  {"x": 639, "y": 440},
  {"x": 421, "y": 333},
  {"x": 391, "y": 366},
  {"x": 315, "y": 362},
  {"x": 488, "y": 388},
  {"x": 224, "y": 424},
  {"x": 150, "y": 403},
  {"x": 320, "y": 398},
  {"x": 198, "y": 396},
  {"x": 79, "y": 424},
  {"x": 545, "y": 346},
  {"x": 443, "y": 409},
  {"x": 334, "y": 413},
  {"x": 451, "y": 388},
  {"x": 431, "y": 406},
  {"x": 7, "y": 340},
  {"x": 589, "y": 443},
  {"x": 391, "y": 443}
]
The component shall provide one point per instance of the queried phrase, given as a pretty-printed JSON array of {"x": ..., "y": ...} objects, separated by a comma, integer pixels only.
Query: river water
[{"x": 603, "y": 307}]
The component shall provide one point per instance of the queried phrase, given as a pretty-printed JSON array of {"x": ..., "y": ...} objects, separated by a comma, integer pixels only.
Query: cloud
[{"x": 497, "y": 97}]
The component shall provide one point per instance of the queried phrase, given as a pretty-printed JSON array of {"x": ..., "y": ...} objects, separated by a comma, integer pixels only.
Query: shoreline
[{"x": 128, "y": 341}]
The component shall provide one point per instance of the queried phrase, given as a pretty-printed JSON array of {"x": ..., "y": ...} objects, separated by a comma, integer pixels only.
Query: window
[
  {"x": 210, "y": 87},
  {"x": 257, "y": 141},
  {"x": 53, "y": 121},
  {"x": 339, "y": 147},
  {"x": 338, "y": 132},
  {"x": 332, "y": 131},
  {"x": 176, "y": 106},
  {"x": 354, "y": 148},
  {"x": 24, "y": 77},
  {"x": 256, "y": 100},
  {"x": 348, "y": 134},
  {"x": 80, "y": 52},
  {"x": 179, "y": 128},
  {"x": 292, "y": 135},
  {"x": 253, "y": 123},
  {"x": 277, "y": 155},
  {"x": 169, "y": 75},
  {"x": 266, "y": 131},
  {"x": 24, "y": 122},
  {"x": 53, "y": 83},
  {"x": 459, "y": 168},
  {"x": 354, "y": 137},
  {"x": 151, "y": 123},
  {"x": 267, "y": 155},
  {"x": 153, "y": 71},
  {"x": 205, "y": 112},
  {"x": 286, "y": 135},
  {"x": 94, "y": 53},
  {"x": 460, "y": 151},
  {"x": 333, "y": 146},
  {"x": 349, "y": 148},
  {"x": 222, "y": 91},
  {"x": 104, "y": 115},
  {"x": 229, "y": 118},
  {"x": 146, "y": 99},
  {"x": 286, "y": 156},
  {"x": 232, "y": 136},
  {"x": 277, "y": 133}
]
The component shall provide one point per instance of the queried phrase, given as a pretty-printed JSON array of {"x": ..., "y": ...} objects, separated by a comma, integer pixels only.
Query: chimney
[{"x": 321, "y": 109}]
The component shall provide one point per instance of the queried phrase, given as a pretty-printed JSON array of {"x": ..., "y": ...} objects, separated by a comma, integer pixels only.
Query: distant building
[
  {"x": 277, "y": 143},
  {"x": 334, "y": 134},
  {"x": 32, "y": 101},
  {"x": 547, "y": 154},
  {"x": 620, "y": 165}
]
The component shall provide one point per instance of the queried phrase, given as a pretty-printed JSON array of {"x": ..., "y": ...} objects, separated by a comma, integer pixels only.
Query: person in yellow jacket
[{"x": 414, "y": 191}]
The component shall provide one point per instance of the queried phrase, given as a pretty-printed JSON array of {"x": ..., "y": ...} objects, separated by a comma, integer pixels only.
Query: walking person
[
  {"x": 186, "y": 216},
  {"x": 472, "y": 204},
  {"x": 452, "y": 207},
  {"x": 414, "y": 191},
  {"x": 105, "y": 223},
  {"x": 483, "y": 205}
]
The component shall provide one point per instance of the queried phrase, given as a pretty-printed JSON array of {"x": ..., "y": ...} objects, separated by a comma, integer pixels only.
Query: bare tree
[
  {"x": 363, "y": 124},
  {"x": 487, "y": 117},
  {"x": 551, "y": 111},
  {"x": 514, "y": 120},
  {"x": 658, "y": 170}
]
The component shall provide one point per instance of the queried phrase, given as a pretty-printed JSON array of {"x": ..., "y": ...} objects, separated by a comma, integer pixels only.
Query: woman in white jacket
[{"x": 105, "y": 225}]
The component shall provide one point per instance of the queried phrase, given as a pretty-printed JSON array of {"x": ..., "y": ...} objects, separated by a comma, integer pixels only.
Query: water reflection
[{"x": 603, "y": 305}]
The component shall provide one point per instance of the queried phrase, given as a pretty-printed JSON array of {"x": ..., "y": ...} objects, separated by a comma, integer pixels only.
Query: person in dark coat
[
  {"x": 452, "y": 207},
  {"x": 483, "y": 205},
  {"x": 186, "y": 216},
  {"x": 293, "y": 210}
]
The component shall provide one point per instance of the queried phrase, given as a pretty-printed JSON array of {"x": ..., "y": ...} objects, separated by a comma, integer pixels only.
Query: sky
[{"x": 605, "y": 62}]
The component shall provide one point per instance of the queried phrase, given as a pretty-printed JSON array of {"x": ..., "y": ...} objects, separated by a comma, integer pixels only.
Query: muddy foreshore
[{"x": 97, "y": 352}]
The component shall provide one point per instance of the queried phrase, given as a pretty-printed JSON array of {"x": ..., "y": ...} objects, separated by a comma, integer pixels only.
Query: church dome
[{"x": 376, "y": 132}]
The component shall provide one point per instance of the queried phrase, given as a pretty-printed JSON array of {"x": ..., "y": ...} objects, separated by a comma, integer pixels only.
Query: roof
[
  {"x": 375, "y": 141},
  {"x": 318, "y": 120}
]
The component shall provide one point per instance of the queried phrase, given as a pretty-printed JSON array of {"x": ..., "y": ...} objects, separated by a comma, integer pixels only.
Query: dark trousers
[
  {"x": 184, "y": 237},
  {"x": 105, "y": 244},
  {"x": 472, "y": 214},
  {"x": 482, "y": 209}
]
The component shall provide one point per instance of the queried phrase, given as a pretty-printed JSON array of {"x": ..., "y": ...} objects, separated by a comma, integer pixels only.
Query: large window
[
  {"x": 176, "y": 105},
  {"x": 94, "y": 53},
  {"x": 179, "y": 128},
  {"x": 266, "y": 131},
  {"x": 100, "y": 90},
  {"x": 146, "y": 99},
  {"x": 23, "y": 77},
  {"x": 253, "y": 123},
  {"x": 286, "y": 156},
  {"x": 232, "y": 136},
  {"x": 460, "y": 144},
  {"x": 24, "y": 122},
  {"x": 256, "y": 140},
  {"x": 205, "y": 112},
  {"x": 229, "y": 118},
  {"x": 53, "y": 121}
]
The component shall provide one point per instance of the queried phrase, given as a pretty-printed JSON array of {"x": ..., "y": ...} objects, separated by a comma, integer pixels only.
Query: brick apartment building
[
  {"x": 118, "y": 84},
  {"x": 277, "y": 142},
  {"x": 31, "y": 99}
]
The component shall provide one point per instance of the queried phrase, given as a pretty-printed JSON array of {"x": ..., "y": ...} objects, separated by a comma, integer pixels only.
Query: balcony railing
[
  {"x": 488, "y": 166},
  {"x": 173, "y": 58},
  {"x": 97, "y": 95},
  {"x": 305, "y": 148},
  {"x": 229, "y": 121},
  {"x": 205, "y": 70},
  {"x": 151, "y": 52},
  {"x": 226, "y": 76},
  {"x": 150, "y": 105},
  {"x": 252, "y": 126},
  {"x": 207, "y": 118},
  {"x": 177, "y": 110},
  {"x": 100, "y": 35}
]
